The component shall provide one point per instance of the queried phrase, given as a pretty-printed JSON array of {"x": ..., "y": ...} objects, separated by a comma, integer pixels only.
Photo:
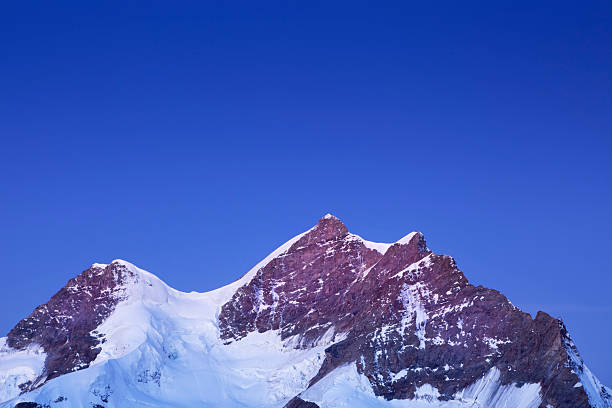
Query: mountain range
[{"x": 328, "y": 319}]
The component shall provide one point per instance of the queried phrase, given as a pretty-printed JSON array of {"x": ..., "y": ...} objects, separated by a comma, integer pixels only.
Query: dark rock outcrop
[
  {"x": 407, "y": 317},
  {"x": 297, "y": 402},
  {"x": 403, "y": 315},
  {"x": 64, "y": 326}
]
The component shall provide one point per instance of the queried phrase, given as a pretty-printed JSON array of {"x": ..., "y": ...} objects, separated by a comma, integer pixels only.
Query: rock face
[
  {"x": 65, "y": 325},
  {"x": 297, "y": 402},
  {"x": 408, "y": 318},
  {"x": 405, "y": 317},
  {"x": 305, "y": 292}
]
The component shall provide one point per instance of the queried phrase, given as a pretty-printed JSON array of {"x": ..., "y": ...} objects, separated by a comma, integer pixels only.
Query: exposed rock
[
  {"x": 297, "y": 402},
  {"x": 404, "y": 316},
  {"x": 64, "y": 325},
  {"x": 408, "y": 317},
  {"x": 28, "y": 405}
]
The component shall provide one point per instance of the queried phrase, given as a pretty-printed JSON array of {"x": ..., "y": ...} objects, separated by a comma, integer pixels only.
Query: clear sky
[{"x": 193, "y": 138}]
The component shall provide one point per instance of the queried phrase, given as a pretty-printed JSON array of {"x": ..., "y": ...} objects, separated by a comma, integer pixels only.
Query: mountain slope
[{"x": 327, "y": 320}]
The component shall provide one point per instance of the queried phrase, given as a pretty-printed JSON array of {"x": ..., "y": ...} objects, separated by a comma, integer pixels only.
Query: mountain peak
[
  {"x": 327, "y": 306},
  {"x": 408, "y": 238},
  {"x": 414, "y": 240},
  {"x": 327, "y": 228},
  {"x": 329, "y": 219},
  {"x": 127, "y": 264}
]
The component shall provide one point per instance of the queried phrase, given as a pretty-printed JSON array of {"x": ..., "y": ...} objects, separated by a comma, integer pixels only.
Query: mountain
[{"x": 327, "y": 320}]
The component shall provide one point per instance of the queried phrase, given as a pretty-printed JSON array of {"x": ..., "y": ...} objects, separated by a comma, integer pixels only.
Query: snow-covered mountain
[{"x": 327, "y": 320}]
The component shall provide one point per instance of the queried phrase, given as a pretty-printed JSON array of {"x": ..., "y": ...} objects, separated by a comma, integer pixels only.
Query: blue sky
[{"x": 192, "y": 139}]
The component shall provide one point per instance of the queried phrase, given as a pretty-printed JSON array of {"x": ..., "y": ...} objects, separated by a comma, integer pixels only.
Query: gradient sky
[{"x": 193, "y": 138}]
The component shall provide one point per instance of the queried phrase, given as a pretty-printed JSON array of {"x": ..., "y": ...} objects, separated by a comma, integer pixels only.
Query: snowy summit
[{"x": 326, "y": 320}]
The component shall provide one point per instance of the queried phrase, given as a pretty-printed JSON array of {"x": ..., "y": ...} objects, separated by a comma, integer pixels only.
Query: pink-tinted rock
[
  {"x": 65, "y": 325},
  {"x": 409, "y": 309}
]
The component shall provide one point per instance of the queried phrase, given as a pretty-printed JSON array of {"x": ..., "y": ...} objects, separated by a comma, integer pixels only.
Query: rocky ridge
[{"x": 405, "y": 317}]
